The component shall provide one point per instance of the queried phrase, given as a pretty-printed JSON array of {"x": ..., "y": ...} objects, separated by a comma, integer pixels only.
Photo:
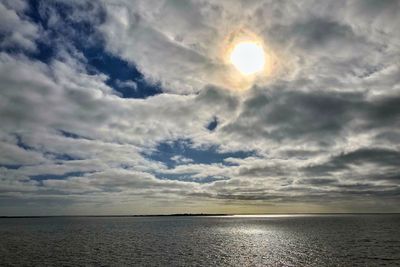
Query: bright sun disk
[{"x": 248, "y": 57}]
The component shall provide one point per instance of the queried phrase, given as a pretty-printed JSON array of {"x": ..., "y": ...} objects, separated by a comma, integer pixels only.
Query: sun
[
  {"x": 247, "y": 60},
  {"x": 248, "y": 57}
]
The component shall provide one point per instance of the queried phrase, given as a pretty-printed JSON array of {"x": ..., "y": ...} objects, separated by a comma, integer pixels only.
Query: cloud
[
  {"x": 127, "y": 84},
  {"x": 16, "y": 30},
  {"x": 367, "y": 158},
  {"x": 163, "y": 131}
]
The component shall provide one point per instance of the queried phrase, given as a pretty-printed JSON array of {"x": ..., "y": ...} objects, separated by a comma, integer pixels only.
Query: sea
[{"x": 269, "y": 240}]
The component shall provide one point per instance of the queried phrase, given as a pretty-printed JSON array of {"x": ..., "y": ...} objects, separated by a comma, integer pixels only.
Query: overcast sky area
[{"x": 125, "y": 107}]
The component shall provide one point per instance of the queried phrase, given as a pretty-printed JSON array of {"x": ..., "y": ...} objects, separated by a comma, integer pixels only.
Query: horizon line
[{"x": 200, "y": 214}]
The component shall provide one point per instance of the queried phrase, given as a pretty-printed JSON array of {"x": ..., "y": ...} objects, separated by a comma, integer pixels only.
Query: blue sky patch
[
  {"x": 120, "y": 73},
  {"x": 21, "y": 143},
  {"x": 61, "y": 157},
  {"x": 11, "y": 166},
  {"x": 43, "y": 177},
  {"x": 213, "y": 124},
  {"x": 81, "y": 35},
  {"x": 72, "y": 135},
  {"x": 51, "y": 155},
  {"x": 166, "y": 152}
]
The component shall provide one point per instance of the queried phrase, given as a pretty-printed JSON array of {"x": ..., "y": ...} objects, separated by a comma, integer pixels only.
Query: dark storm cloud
[
  {"x": 263, "y": 171},
  {"x": 383, "y": 112},
  {"x": 389, "y": 136},
  {"x": 292, "y": 115},
  {"x": 314, "y": 33},
  {"x": 318, "y": 181},
  {"x": 316, "y": 115},
  {"x": 381, "y": 157}
]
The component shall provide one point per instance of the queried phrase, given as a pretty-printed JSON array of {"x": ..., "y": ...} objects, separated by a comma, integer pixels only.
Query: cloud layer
[{"x": 121, "y": 107}]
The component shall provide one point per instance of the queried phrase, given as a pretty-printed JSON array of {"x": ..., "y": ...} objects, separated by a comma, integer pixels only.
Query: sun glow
[{"x": 248, "y": 58}]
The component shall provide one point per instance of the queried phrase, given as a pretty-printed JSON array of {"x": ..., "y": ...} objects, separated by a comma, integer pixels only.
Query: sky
[{"x": 129, "y": 107}]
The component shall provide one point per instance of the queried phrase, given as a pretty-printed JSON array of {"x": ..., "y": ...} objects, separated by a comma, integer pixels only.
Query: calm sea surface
[{"x": 317, "y": 240}]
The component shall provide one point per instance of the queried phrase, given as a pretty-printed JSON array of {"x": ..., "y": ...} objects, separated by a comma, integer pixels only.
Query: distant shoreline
[
  {"x": 186, "y": 215},
  {"x": 127, "y": 216}
]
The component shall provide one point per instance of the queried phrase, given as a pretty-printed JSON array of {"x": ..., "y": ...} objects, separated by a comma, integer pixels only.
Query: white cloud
[
  {"x": 16, "y": 31},
  {"x": 127, "y": 84}
]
